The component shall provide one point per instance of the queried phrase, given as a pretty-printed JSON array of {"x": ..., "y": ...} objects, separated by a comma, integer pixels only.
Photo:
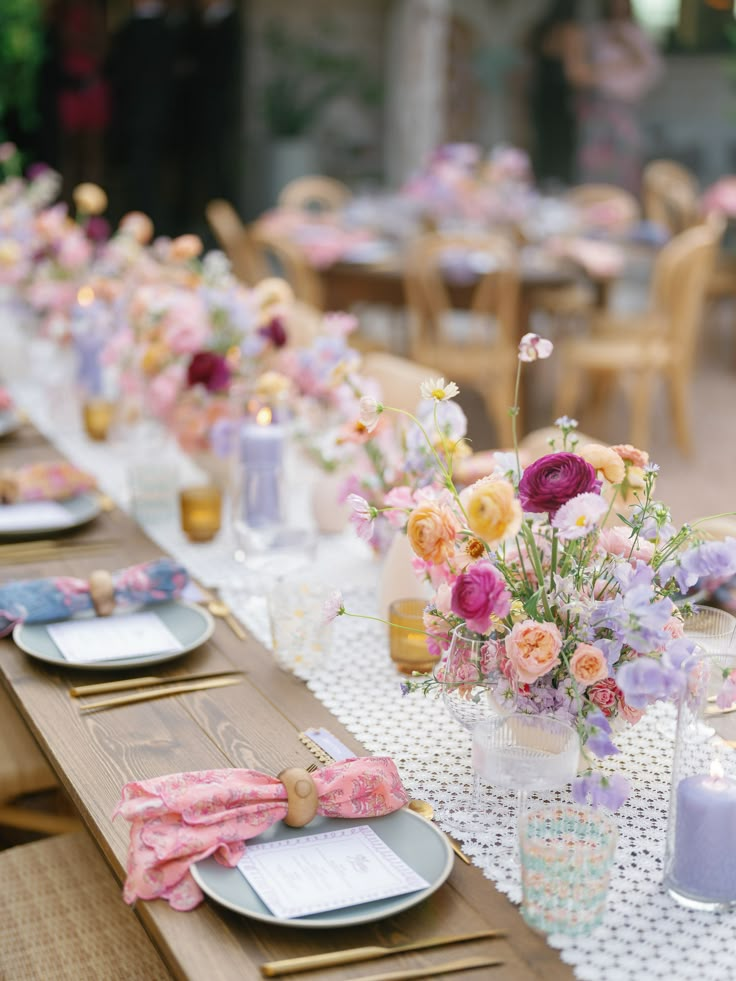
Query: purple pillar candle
[
  {"x": 704, "y": 865},
  {"x": 261, "y": 456}
]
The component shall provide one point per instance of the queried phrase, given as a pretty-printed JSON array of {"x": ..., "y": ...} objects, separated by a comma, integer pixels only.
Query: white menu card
[
  {"x": 110, "y": 638},
  {"x": 332, "y": 870},
  {"x": 27, "y": 516}
]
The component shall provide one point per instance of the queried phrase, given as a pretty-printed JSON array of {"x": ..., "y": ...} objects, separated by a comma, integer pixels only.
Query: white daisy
[
  {"x": 435, "y": 388},
  {"x": 580, "y": 516},
  {"x": 370, "y": 410}
]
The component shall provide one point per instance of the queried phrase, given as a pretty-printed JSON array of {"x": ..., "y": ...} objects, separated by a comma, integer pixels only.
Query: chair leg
[
  {"x": 640, "y": 404},
  {"x": 679, "y": 393}
]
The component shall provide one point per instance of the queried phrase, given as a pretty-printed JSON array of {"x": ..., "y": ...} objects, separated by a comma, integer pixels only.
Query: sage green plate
[
  {"x": 81, "y": 509},
  {"x": 190, "y": 624},
  {"x": 9, "y": 422},
  {"x": 414, "y": 839}
]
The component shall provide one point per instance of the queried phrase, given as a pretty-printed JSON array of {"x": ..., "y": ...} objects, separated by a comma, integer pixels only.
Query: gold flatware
[
  {"x": 105, "y": 687},
  {"x": 52, "y": 555},
  {"x": 222, "y": 610},
  {"x": 419, "y": 973},
  {"x": 424, "y": 809},
  {"x": 353, "y": 955},
  {"x": 144, "y": 696},
  {"x": 106, "y": 503}
]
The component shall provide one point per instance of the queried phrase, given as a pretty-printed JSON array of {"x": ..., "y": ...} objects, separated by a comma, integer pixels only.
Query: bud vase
[{"x": 398, "y": 578}]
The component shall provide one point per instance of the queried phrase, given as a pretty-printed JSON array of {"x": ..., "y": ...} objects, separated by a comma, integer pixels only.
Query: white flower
[
  {"x": 370, "y": 410},
  {"x": 532, "y": 347},
  {"x": 435, "y": 388},
  {"x": 580, "y": 516}
]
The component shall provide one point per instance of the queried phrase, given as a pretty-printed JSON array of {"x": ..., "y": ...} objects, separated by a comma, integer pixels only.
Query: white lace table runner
[{"x": 645, "y": 935}]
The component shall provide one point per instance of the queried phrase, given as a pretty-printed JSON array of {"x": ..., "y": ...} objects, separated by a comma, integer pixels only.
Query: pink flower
[
  {"x": 165, "y": 388},
  {"x": 630, "y": 454},
  {"x": 588, "y": 665},
  {"x": 6, "y": 400},
  {"x": 618, "y": 541},
  {"x": 532, "y": 347},
  {"x": 479, "y": 594},
  {"x": 362, "y": 517},
  {"x": 533, "y": 649},
  {"x": 185, "y": 325},
  {"x": 334, "y": 606},
  {"x": 74, "y": 250},
  {"x": 606, "y": 695},
  {"x": 401, "y": 501}
]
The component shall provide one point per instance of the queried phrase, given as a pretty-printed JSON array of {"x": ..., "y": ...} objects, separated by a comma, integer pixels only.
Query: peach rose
[
  {"x": 588, "y": 665},
  {"x": 138, "y": 225},
  {"x": 630, "y": 454},
  {"x": 533, "y": 649},
  {"x": 186, "y": 247},
  {"x": 431, "y": 531},
  {"x": 605, "y": 461},
  {"x": 493, "y": 511},
  {"x": 89, "y": 198}
]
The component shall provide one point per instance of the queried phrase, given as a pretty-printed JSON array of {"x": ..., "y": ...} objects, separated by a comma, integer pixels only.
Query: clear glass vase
[{"x": 700, "y": 856}]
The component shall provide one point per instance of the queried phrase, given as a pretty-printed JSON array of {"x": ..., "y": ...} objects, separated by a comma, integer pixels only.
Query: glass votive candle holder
[
  {"x": 98, "y": 416},
  {"x": 200, "y": 510},
  {"x": 300, "y": 634},
  {"x": 408, "y": 638},
  {"x": 566, "y": 857}
]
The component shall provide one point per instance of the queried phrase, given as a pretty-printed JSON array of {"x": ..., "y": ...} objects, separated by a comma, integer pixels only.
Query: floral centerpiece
[{"x": 566, "y": 571}]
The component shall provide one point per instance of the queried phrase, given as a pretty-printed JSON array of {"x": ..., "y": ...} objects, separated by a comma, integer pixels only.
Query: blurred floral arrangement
[{"x": 566, "y": 571}]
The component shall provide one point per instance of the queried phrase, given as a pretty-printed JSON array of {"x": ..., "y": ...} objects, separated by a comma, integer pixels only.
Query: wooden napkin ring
[
  {"x": 102, "y": 592},
  {"x": 301, "y": 794},
  {"x": 9, "y": 487}
]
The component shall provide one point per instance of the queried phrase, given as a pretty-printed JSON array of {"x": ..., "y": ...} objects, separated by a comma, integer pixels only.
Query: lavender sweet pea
[{"x": 555, "y": 479}]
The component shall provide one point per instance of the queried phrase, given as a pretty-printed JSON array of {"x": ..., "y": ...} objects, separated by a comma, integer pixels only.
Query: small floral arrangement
[{"x": 567, "y": 571}]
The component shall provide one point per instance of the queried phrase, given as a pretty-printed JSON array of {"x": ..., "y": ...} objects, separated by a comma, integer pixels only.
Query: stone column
[{"x": 416, "y": 76}]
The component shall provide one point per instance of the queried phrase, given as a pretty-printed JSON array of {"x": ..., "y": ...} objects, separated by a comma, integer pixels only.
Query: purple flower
[
  {"x": 208, "y": 369},
  {"x": 479, "y": 594},
  {"x": 599, "y": 737},
  {"x": 599, "y": 790},
  {"x": 555, "y": 479},
  {"x": 222, "y": 437},
  {"x": 275, "y": 332},
  {"x": 711, "y": 559},
  {"x": 645, "y": 680}
]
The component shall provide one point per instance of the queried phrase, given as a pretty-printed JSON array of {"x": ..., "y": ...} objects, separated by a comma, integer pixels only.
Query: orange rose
[
  {"x": 533, "y": 649},
  {"x": 493, "y": 511},
  {"x": 588, "y": 665},
  {"x": 431, "y": 530}
]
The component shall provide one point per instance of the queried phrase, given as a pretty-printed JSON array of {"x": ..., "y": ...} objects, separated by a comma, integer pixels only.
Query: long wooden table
[{"x": 255, "y": 725}]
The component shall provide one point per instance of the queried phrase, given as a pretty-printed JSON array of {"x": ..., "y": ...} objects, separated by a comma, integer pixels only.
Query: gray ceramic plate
[
  {"x": 190, "y": 624},
  {"x": 418, "y": 842},
  {"x": 81, "y": 509},
  {"x": 9, "y": 422}
]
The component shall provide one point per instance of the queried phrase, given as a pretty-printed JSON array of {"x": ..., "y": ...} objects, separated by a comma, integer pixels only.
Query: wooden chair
[
  {"x": 314, "y": 193},
  {"x": 398, "y": 377},
  {"x": 670, "y": 194},
  {"x": 622, "y": 203},
  {"x": 23, "y": 771},
  {"x": 63, "y": 917},
  {"x": 232, "y": 237},
  {"x": 276, "y": 255},
  {"x": 483, "y": 351},
  {"x": 659, "y": 343}
]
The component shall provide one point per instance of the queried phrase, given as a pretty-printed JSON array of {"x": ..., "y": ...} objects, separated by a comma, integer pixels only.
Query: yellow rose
[
  {"x": 493, "y": 511},
  {"x": 431, "y": 530},
  {"x": 154, "y": 358},
  {"x": 90, "y": 199},
  {"x": 605, "y": 461}
]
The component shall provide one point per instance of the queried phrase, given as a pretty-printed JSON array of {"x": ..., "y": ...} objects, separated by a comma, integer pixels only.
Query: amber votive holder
[
  {"x": 408, "y": 638},
  {"x": 98, "y": 415},
  {"x": 200, "y": 510}
]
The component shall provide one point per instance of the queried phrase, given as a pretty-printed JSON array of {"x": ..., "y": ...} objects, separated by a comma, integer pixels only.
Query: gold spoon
[
  {"x": 106, "y": 503},
  {"x": 424, "y": 809},
  {"x": 220, "y": 609}
]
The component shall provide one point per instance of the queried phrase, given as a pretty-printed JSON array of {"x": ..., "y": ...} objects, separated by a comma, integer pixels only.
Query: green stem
[
  {"x": 514, "y": 414},
  {"x": 533, "y": 553}
]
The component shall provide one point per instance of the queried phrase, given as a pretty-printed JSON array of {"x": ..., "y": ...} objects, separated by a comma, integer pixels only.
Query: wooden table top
[{"x": 255, "y": 725}]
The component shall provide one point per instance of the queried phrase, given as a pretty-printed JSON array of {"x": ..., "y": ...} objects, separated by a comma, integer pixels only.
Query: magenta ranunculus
[
  {"x": 209, "y": 369},
  {"x": 555, "y": 479},
  {"x": 478, "y": 593},
  {"x": 275, "y": 332}
]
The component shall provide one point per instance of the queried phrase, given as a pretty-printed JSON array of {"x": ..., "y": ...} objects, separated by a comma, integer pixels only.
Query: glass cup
[
  {"x": 300, "y": 634},
  {"x": 98, "y": 415},
  {"x": 407, "y": 637},
  {"x": 200, "y": 511},
  {"x": 566, "y": 857},
  {"x": 711, "y": 628}
]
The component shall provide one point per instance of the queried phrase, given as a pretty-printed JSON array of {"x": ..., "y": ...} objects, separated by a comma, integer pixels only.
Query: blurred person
[
  {"x": 613, "y": 64},
  {"x": 552, "y": 95},
  {"x": 83, "y": 96},
  {"x": 140, "y": 69}
]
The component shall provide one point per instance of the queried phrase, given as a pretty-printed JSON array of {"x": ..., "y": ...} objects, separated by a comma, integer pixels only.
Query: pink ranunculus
[
  {"x": 479, "y": 593},
  {"x": 555, "y": 479},
  {"x": 533, "y": 649},
  {"x": 164, "y": 390},
  {"x": 588, "y": 665},
  {"x": 186, "y": 329}
]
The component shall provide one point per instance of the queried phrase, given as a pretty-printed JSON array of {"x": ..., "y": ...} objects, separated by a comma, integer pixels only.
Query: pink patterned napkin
[
  {"x": 182, "y": 818},
  {"x": 54, "y": 481}
]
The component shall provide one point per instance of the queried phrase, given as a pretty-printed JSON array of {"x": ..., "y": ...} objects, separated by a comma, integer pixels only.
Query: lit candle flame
[
  {"x": 85, "y": 296},
  {"x": 716, "y": 770},
  {"x": 263, "y": 416}
]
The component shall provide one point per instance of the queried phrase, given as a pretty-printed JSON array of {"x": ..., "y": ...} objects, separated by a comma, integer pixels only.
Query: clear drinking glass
[
  {"x": 472, "y": 683},
  {"x": 566, "y": 857},
  {"x": 711, "y": 628}
]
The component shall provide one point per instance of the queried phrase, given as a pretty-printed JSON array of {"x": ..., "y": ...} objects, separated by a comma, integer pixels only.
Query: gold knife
[
  {"x": 353, "y": 955},
  {"x": 144, "y": 696},
  {"x": 105, "y": 687},
  {"x": 419, "y": 973}
]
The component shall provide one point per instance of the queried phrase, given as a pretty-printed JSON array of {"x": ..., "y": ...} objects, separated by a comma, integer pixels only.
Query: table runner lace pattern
[{"x": 645, "y": 934}]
